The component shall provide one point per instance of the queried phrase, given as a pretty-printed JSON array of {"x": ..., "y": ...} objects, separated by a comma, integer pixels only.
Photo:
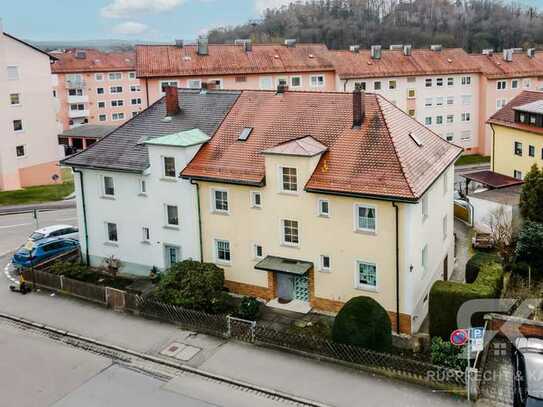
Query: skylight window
[
  {"x": 245, "y": 133},
  {"x": 415, "y": 139}
]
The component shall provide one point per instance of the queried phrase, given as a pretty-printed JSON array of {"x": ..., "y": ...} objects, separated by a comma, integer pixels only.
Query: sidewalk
[{"x": 47, "y": 206}]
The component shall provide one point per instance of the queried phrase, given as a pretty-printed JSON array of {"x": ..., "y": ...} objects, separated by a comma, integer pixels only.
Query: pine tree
[{"x": 531, "y": 196}]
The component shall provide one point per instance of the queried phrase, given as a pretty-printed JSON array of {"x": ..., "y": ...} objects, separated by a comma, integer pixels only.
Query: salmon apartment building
[{"x": 448, "y": 90}]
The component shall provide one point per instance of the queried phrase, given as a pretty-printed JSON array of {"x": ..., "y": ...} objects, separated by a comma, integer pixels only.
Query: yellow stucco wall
[
  {"x": 504, "y": 159},
  {"x": 334, "y": 236}
]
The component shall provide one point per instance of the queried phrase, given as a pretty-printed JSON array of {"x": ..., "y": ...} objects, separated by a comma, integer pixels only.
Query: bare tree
[{"x": 504, "y": 231}]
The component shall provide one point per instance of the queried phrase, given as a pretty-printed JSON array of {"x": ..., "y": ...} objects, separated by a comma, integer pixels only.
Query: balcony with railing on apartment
[
  {"x": 75, "y": 83},
  {"x": 78, "y": 98},
  {"x": 78, "y": 110}
]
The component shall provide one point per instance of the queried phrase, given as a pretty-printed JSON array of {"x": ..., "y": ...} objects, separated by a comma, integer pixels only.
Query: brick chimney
[
  {"x": 172, "y": 101},
  {"x": 358, "y": 108}
]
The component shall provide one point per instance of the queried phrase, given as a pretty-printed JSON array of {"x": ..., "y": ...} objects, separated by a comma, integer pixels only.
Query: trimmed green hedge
[
  {"x": 446, "y": 298},
  {"x": 476, "y": 262}
]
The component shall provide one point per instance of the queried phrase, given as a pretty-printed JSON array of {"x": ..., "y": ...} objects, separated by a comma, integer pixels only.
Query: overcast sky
[{"x": 154, "y": 20}]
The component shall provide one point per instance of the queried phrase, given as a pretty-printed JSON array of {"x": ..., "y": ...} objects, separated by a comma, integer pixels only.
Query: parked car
[
  {"x": 482, "y": 241},
  {"x": 33, "y": 253},
  {"x": 67, "y": 231},
  {"x": 528, "y": 372}
]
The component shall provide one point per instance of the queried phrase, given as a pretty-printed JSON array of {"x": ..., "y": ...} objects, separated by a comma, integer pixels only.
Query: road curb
[{"x": 189, "y": 369}]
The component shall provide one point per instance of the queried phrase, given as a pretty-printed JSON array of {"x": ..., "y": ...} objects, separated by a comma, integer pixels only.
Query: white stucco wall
[
  {"x": 483, "y": 209},
  {"x": 131, "y": 211}
]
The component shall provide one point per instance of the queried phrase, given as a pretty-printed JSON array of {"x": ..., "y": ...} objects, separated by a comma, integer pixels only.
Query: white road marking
[{"x": 8, "y": 275}]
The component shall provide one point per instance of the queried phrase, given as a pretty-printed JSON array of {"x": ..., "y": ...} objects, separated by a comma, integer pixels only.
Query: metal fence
[{"x": 248, "y": 331}]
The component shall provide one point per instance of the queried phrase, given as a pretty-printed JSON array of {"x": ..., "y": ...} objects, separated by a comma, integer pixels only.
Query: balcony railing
[
  {"x": 73, "y": 114},
  {"x": 78, "y": 99},
  {"x": 75, "y": 83}
]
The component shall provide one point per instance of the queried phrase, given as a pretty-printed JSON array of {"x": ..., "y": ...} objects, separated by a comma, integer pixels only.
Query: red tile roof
[
  {"x": 495, "y": 67},
  {"x": 169, "y": 60},
  {"x": 94, "y": 61},
  {"x": 379, "y": 159},
  {"x": 506, "y": 115},
  {"x": 351, "y": 65}
]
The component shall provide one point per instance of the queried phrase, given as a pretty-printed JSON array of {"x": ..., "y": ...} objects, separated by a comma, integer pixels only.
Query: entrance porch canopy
[{"x": 282, "y": 265}]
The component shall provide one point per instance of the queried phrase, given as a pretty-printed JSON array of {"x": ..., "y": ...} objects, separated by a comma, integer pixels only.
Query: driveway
[{"x": 463, "y": 234}]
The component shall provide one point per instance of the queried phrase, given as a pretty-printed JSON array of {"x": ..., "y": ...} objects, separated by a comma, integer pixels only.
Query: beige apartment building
[{"x": 29, "y": 150}]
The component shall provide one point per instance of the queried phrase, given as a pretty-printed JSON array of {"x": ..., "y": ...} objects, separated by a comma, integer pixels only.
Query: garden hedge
[
  {"x": 446, "y": 298},
  {"x": 475, "y": 263},
  {"x": 362, "y": 321}
]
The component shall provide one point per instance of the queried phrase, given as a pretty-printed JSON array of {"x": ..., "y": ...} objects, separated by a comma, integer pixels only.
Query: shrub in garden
[
  {"x": 529, "y": 247},
  {"x": 194, "y": 285},
  {"x": 446, "y": 354},
  {"x": 475, "y": 263},
  {"x": 249, "y": 308},
  {"x": 446, "y": 298},
  {"x": 363, "y": 322},
  {"x": 75, "y": 270}
]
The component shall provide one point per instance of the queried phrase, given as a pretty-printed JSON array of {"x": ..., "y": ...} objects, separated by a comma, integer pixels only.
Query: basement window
[{"x": 245, "y": 133}]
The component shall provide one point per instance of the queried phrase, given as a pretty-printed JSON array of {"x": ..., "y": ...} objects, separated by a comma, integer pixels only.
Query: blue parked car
[{"x": 33, "y": 253}]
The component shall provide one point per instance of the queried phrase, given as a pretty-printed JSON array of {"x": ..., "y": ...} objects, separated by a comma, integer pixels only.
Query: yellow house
[
  {"x": 310, "y": 199},
  {"x": 517, "y": 134}
]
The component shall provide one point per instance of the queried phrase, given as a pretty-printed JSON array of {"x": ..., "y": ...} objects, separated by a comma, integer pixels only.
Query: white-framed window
[
  {"x": 428, "y": 82},
  {"x": 143, "y": 187},
  {"x": 265, "y": 83},
  {"x": 377, "y": 85},
  {"x": 194, "y": 84},
  {"x": 290, "y": 232},
  {"x": 466, "y": 80},
  {"x": 424, "y": 206},
  {"x": 465, "y": 136},
  {"x": 216, "y": 83},
  {"x": 439, "y": 119},
  {"x": 132, "y": 75},
  {"x": 296, "y": 82},
  {"x": 256, "y": 199},
  {"x": 75, "y": 92},
  {"x": 164, "y": 84},
  {"x": 20, "y": 151},
  {"x": 168, "y": 164},
  {"x": 366, "y": 275},
  {"x": 428, "y": 102},
  {"x": 428, "y": 120},
  {"x": 412, "y": 112},
  {"x": 517, "y": 174},
  {"x": 323, "y": 207},
  {"x": 115, "y": 89},
  {"x": 102, "y": 117},
  {"x": 324, "y": 263},
  {"x": 115, "y": 76},
  {"x": 12, "y": 72},
  {"x": 258, "y": 252},
  {"x": 514, "y": 84},
  {"x": 111, "y": 232},
  {"x": 392, "y": 84},
  {"x": 450, "y": 100},
  {"x": 17, "y": 125},
  {"x": 424, "y": 258},
  {"x": 465, "y": 117},
  {"x": 219, "y": 200},
  {"x": 108, "y": 186},
  {"x": 289, "y": 179},
  {"x": 117, "y": 116},
  {"x": 135, "y": 88},
  {"x": 14, "y": 99},
  {"x": 281, "y": 81},
  {"x": 466, "y": 100},
  {"x": 135, "y": 101},
  {"x": 439, "y": 101},
  {"x": 172, "y": 215},
  {"x": 450, "y": 118},
  {"x": 101, "y": 104},
  {"x": 173, "y": 254},
  {"x": 449, "y": 136},
  {"x": 411, "y": 93},
  {"x": 500, "y": 103},
  {"x": 99, "y": 77},
  {"x": 100, "y": 91},
  {"x": 439, "y": 81},
  {"x": 365, "y": 218},
  {"x": 501, "y": 85},
  {"x": 222, "y": 251},
  {"x": 444, "y": 227},
  {"x": 360, "y": 85},
  {"x": 74, "y": 107},
  {"x": 316, "y": 81},
  {"x": 145, "y": 234},
  {"x": 450, "y": 81},
  {"x": 117, "y": 103}
]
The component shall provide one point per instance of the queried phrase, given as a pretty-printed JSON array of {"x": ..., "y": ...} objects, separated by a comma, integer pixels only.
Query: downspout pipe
[
  {"x": 397, "y": 222},
  {"x": 493, "y": 145},
  {"x": 199, "y": 219},
  {"x": 84, "y": 209}
]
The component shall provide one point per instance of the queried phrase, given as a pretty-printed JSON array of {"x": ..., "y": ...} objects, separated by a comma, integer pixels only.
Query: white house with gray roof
[{"x": 131, "y": 202}]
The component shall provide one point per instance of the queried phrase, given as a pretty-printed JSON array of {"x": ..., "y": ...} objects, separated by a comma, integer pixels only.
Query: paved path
[{"x": 47, "y": 206}]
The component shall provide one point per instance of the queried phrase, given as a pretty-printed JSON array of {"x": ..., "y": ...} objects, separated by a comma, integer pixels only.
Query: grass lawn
[
  {"x": 46, "y": 193},
  {"x": 473, "y": 159}
]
